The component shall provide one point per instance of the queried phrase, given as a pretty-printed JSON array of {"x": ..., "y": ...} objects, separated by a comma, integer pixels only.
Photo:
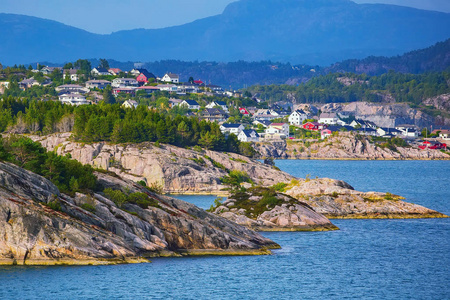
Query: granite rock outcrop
[
  {"x": 40, "y": 225},
  {"x": 176, "y": 170}
]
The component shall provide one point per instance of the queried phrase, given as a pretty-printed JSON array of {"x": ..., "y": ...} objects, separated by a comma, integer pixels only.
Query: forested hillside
[{"x": 338, "y": 87}]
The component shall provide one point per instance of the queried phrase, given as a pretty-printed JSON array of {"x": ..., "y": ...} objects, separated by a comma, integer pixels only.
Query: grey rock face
[
  {"x": 177, "y": 170},
  {"x": 337, "y": 199},
  {"x": 33, "y": 233}
]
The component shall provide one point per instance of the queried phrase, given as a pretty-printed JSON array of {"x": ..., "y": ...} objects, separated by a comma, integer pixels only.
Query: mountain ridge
[{"x": 310, "y": 32}]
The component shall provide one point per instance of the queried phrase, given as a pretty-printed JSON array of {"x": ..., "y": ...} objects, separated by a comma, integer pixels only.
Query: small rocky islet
[{"x": 41, "y": 225}]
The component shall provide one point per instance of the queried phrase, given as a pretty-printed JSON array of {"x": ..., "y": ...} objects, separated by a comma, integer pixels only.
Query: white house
[
  {"x": 124, "y": 82},
  {"x": 72, "y": 74},
  {"x": 324, "y": 133},
  {"x": 99, "y": 84},
  {"x": 71, "y": 88},
  {"x": 248, "y": 136},
  {"x": 169, "y": 77},
  {"x": 191, "y": 104},
  {"x": 277, "y": 130},
  {"x": 130, "y": 104},
  {"x": 382, "y": 131},
  {"x": 168, "y": 87},
  {"x": 99, "y": 72},
  {"x": 221, "y": 104},
  {"x": 231, "y": 128},
  {"x": 73, "y": 99},
  {"x": 328, "y": 118},
  {"x": 444, "y": 134},
  {"x": 297, "y": 117}
]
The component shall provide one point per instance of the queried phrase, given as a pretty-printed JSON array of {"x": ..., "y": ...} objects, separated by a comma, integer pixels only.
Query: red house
[
  {"x": 432, "y": 145},
  {"x": 144, "y": 76},
  {"x": 244, "y": 111},
  {"x": 315, "y": 126}
]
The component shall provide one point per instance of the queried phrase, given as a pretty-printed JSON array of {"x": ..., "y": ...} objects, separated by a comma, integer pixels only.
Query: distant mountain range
[{"x": 314, "y": 32}]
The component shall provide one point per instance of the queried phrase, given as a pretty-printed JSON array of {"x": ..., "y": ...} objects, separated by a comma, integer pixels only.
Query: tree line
[{"x": 113, "y": 123}]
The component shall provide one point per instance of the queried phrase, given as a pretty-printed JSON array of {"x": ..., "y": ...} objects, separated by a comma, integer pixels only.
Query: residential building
[
  {"x": 27, "y": 83},
  {"x": 191, "y": 104},
  {"x": 277, "y": 131},
  {"x": 71, "y": 74},
  {"x": 99, "y": 84},
  {"x": 174, "y": 102},
  {"x": 221, "y": 104},
  {"x": 367, "y": 131},
  {"x": 130, "y": 104},
  {"x": 73, "y": 99},
  {"x": 383, "y": 131},
  {"x": 215, "y": 88},
  {"x": 71, "y": 88},
  {"x": 363, "y": 124},
  {"x": 126, "y": 90},
  {"x": 314, "y": 126},
  {"x": 124, "y": 82},
  {"x": 99, "y": 72},
  {"x": 264, "y": 123},
  {"x": 214, "y": 115},
  {"x": 148, "y": 89},
  {"x": 324, "y": 133},
  {"x": 244, "y": 111},
  {"x": 231, "y": 128},
  {"x": 145, "y": 76},
  {"x": 188, "y": 88},
  {"x": 168, "y": 87},
  {"x": 169, "y": 77},
  {"x": 49, "y": 70},
  {"x": 114, "y": 71},
  {"x": 297, "y": 117},
  {"x": 248, "y": 136},
  {"x": 444, "y": 134},
  {"x": 328, "y": 118}
]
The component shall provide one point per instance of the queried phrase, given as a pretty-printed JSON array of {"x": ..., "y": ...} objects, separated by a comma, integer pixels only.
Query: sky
[{"x": 106, "y": 16}]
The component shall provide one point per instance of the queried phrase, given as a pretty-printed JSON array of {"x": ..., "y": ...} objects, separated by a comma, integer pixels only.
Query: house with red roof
[{"x": 244, "y": 111}]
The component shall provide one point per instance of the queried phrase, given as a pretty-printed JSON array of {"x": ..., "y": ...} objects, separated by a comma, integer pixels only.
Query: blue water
[{"x": 366, "y": 259}]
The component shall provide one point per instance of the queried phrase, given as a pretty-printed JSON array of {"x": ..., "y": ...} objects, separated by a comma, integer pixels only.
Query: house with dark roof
[
  {"x": 99, "y": 84},
  {"x": 363, "y": 124},
  {"x": 144, "y": 76},
  {"x": 191, "y": 104},
  {"x": 384, "y": 131},
  {"x": 214, "y": 115},
  {"x": 297, "y": 117},
  {"x": 248, "y": 136},
  {"x": 221, "y": 104},
  {"x": 49, "y": 70},
  {"x": 231, "y": 128},
  {"x": 99, "y": 72}
]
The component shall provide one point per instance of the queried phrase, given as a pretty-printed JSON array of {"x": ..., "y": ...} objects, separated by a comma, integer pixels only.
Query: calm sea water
[{"x": 366, "y": 259}]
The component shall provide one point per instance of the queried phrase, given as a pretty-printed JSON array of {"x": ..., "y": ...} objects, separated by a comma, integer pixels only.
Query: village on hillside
[{"x": 245, "y": 115}]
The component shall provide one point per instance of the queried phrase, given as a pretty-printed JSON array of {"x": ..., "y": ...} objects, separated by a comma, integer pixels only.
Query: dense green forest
[
  {"x": 350, "y": 87},
  {"x": 68, "y": 175},
  {"x": 111, "y": 122}
]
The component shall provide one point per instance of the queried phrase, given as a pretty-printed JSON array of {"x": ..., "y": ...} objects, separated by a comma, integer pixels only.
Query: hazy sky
[{"x": 106, "y": 16}]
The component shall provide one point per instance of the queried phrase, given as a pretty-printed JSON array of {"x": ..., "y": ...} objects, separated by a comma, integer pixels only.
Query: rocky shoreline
[
  {"x": 345, "y": 146},
  {"x": 40, "y": 225}
]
